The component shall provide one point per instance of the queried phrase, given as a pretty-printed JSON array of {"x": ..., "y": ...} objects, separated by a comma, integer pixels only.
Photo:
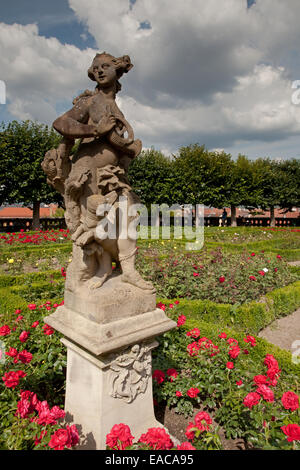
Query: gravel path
[
  {"x": 294, "y": 263},
  {"x": 284, "y": 332}
]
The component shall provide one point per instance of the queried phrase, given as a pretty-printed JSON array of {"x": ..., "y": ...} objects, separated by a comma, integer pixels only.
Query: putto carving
[
  {"x": 130, "y": 372},
  {"x": 95, "y": 175}
]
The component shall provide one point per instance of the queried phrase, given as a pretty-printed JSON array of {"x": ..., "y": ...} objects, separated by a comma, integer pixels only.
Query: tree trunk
[
  {"x": 272, "y": 217},
  {"x": 36, "y": 216},
  {"x": 233, "y": 216}
]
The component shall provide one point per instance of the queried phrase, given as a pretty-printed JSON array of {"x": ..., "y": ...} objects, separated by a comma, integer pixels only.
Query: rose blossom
[
  {"x": 159, "y": 376},
  {"x": 193, "y": 392},
  {"x": 186, "y": 446},
  {"x": 290, "y": 401},
  {"x": 157, "y": 438},
  {"x": 251, "y": 399},
  {"x": 266, "y": 393},
  {"x": 200, "y": 417},
  {"x": 25, "y": 356},
  {"x": 260, "y": 380},
  {"x": 181, "y": 320},
  {"x": 292, "y": 431},
  {"x": 11, "y": 379},
  {"x": 62, "y": 438},
  {"x": 24, "y": 336},
  {"x": 234, "y": 352},
  {"x": 230, "y": 365},
  {"x": 172, "y": 373},
  {"x": 119, "y": 437},
  {"x": 5, "y": 330}
]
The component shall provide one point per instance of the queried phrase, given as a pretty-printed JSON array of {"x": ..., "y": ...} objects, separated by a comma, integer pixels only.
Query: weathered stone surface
[
  {"x": 114, "y": 301},
  {"x": 108, "y": 390},
  {"x": 101, "y": 338}
]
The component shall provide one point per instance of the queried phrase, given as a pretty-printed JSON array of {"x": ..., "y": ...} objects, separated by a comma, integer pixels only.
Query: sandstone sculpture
[
  {"x": 109, "y": 318},
  {"x": 96, "y": 175}
]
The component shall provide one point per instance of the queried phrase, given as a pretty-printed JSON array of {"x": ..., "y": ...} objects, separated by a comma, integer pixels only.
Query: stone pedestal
[
  {"x": 109, "y": 372},
  {"x": 112, "y": 389}
]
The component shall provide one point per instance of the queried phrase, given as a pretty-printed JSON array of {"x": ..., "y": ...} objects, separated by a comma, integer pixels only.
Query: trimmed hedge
[{"x": 249, "y": 317}]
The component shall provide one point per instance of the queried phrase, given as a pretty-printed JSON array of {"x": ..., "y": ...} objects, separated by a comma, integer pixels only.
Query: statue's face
[{"x": 104, "y": 72}]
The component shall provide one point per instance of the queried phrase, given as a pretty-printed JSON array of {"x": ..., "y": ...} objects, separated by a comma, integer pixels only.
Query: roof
[{"x": 25, "y": 212}]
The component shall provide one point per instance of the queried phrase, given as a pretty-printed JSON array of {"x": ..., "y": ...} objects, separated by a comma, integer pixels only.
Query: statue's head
[{"x": 106, "y": 64}]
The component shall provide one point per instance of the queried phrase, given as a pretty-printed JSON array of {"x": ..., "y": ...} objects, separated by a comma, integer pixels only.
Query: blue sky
[{"x": 218, "y": 76}]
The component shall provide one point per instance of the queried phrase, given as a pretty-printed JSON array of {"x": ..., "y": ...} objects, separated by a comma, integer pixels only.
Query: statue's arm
[{"x": 73, "y": 123}]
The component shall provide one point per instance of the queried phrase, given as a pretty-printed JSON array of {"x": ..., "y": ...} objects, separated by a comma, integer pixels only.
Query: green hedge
[
  {"x": 249, "y": 317},
  {"x": 11, "y": 280}
]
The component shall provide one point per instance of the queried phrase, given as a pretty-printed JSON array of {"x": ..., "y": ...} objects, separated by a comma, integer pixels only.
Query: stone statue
[
  {"x": 95, "y": 175},
  {"x": 109, "y": 318}
]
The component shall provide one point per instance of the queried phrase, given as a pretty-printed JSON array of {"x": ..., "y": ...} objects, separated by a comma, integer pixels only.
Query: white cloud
[
  {"x": 204, "y": 71},
  {"x": 39, "y": 71}
]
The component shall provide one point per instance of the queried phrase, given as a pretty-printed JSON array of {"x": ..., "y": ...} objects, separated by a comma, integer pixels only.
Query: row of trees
[
  {"x": 214, "y": 179},
  {"x": 194, "y": 176}
]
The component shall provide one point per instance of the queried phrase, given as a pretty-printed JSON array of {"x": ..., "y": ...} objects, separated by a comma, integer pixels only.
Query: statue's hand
[{"x": 107, "y": 122}]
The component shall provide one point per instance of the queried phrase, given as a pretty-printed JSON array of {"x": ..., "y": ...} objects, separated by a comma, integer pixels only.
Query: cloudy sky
[{"x": 212, "y": 72}]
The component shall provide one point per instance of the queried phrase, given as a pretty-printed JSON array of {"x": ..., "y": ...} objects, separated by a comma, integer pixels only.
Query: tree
[
  {"x": 267, "y": 180},
  {"x": 201, "y": 176},
  {"x": 22, "y": 180},
  {"x": 243, "y": 186},
  {"x": 150, "y": 175}
]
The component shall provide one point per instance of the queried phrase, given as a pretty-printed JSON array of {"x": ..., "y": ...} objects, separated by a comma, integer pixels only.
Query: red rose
[
  {"x": 193, "y": 392},
  {"x": 25, "y": 357},
  {"x": 290, "y": 401},
  {"x": 178, "y": 394},
  {"x": 194, "y": 333},
  {"x": 266, "y": 393},
  {"x": 5, "y": 330},
  {"x": 161, "y": 306},
  {"x": 11, "y": 379},
  {"x": 262, "y": 273},
  {"x": 181, "y": 320},
  {"x": 48, "y": 330},
  {"x": 186, "y": 446},
  {"x": 203, "y": 421},
  {"x": 190, "y": 431},
  {"x": 234, "y": 352},
  {"x": 250, "y": 339},
  {"x": 159, "y": 376},
  {"x": 292, "y": 431},
  {"x": 31, "y": 306},
  {"x": 119, "y": 437},
  {"x": 239, "y": 383},
  {"x": 172, "y": 373},
  {"x": 260, "y": 379},
  {"x": 193, "y": 348},
  {"x": 252, "y": 278},
  {"x": 221, "y": 279},
  {"x": 24, "y": 336},
  {"x": 59, "y": 440},
  {"x": 223, "y": 335},
  {"x": 12, "y": 352},
  {"x": 251, "y": 399},
  {"x": 35, "y": 324},
  {"x": 157, "y": 439},
  {"x": 230, "y": 365}
]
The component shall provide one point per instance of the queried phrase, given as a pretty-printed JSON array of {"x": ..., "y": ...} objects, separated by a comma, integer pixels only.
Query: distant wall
[{"x": 15, "y": 225}]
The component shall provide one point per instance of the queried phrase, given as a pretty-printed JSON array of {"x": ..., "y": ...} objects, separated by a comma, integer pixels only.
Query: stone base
[
  {"x": 113, "y": 301},
  {"x": 104, "y": 338},
  {"x": 108, "y": 390}
]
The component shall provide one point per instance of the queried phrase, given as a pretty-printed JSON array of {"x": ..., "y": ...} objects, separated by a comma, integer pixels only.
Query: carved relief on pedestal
[{"x": 130, "y": 372}]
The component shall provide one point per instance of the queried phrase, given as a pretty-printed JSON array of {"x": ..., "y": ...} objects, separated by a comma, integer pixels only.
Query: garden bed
[{"x": 228, "y": 421}]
